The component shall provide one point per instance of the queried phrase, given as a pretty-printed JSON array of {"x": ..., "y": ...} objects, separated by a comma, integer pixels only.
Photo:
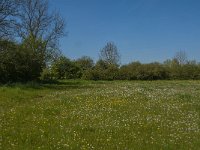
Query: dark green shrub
[{"x": 18, "y": 64}]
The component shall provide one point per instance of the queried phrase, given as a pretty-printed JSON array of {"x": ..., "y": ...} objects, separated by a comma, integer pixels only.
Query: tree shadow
[
  {"x": 57, "y": 85},
  {"x": 64, "y": 85}
]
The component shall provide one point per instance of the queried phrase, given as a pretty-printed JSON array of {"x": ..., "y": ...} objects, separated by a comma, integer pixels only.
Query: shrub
[
  {"x": 46, "y": 75},
  {"x": 64, "y": 68},
  {"x": 18, "y": 64}
]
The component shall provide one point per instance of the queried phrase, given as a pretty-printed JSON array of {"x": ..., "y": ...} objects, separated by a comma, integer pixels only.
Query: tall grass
[{"x": 79, "y": 114}]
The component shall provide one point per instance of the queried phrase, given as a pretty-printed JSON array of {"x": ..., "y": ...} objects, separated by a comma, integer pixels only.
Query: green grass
[{"x": 101, "y": 115}]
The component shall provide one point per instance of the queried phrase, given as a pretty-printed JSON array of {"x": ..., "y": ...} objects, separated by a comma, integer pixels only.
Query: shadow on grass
[
  {"x": 68, "y": 84},
  {"x": 57, "y": 85}
]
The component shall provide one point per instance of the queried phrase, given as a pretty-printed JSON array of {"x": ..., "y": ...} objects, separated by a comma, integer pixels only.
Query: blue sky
[{"x": 144, "y": 30}]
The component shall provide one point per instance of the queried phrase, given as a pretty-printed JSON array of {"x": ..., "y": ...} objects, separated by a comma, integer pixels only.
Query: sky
[{"x": 143, "y": 30}]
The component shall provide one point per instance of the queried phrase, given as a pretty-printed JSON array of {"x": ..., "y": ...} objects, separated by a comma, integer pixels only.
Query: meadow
[{"x": 108, "y": 115}]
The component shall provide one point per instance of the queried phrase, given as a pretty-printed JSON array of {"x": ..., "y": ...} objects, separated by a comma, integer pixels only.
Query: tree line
[
  {"x": 108, "y": 68},
  {"x": 29, "y": 39}
]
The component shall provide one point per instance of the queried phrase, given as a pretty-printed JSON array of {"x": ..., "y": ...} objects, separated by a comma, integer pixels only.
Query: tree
[
  {"x": 181, "y": 57},
  {"x": 129, "y": 71},
  {"x": 18, "y": 63},
  {"x": 37, "y": 47},
  {"x": 102, "y": 65},
  {"x": 8, "y": 12},
  {"x": 35, "y": 22},
  {"x": 110, "y": 54},
  {"x": 60, "y": 66},
  {"x": 102, "y": 71},
  {"x": 64, "y": 68},
  {"x": 85, "y": 62}
]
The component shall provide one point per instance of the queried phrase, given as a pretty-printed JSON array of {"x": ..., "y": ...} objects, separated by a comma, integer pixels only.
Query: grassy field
[{"x": 101, "y": 115}]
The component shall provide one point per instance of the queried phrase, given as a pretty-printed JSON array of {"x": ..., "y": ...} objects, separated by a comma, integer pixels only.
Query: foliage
[
  {"x": 37, "y": 31},
  {"x": 102, "y": 71},
  {"x": 189, "y": 70},
  {"x": 18, "y": 63},
  {"x": 130, "y": 71},
  {"x": 85, "y": 62},
  {"x": 38, "y": 47},
  {"x": 92, "y": 74},
  {"x": 138, "y": 71},
  {"x": 64, "y": 68},
  {"x": 31, "y": 19},
  {"x": 36, "y": 55},
  {"x": 46, "y": 75},
  {"x": 152, "y": 71}
]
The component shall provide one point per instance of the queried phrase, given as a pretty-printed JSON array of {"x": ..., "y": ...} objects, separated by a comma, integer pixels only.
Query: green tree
[
  {"x": 18, "y": 63},
  {"x": 63, "y": 68},
  {"x": 102, "y": 71},
  {"x": 85, "y": 62},
  {"x": 37, "y": 46},
  {"x": 129, "y": 71}
]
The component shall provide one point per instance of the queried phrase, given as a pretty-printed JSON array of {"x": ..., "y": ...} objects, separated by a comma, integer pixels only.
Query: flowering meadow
[{"x": 118, "y": 115}]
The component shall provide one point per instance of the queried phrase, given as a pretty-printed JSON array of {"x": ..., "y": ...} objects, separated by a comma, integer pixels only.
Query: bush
[
  {"x": 130, "y": 71},
  {"x": 102, "y": 71},
  {"x": 46, "y": 75},
  {"x": 64, "y": 68},
  {"x": 153, "y": 71},
  {"x": 85, "y": 63},
  {"x": 92, "y": 74},
  {"x": 18, "y": 64}
]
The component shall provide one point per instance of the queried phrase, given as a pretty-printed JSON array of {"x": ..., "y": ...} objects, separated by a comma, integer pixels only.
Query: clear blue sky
[{"x": 144, "y": 30}]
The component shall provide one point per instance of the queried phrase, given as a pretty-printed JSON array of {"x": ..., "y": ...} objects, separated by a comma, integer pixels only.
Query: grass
[{"x": 101, "y": 115}]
